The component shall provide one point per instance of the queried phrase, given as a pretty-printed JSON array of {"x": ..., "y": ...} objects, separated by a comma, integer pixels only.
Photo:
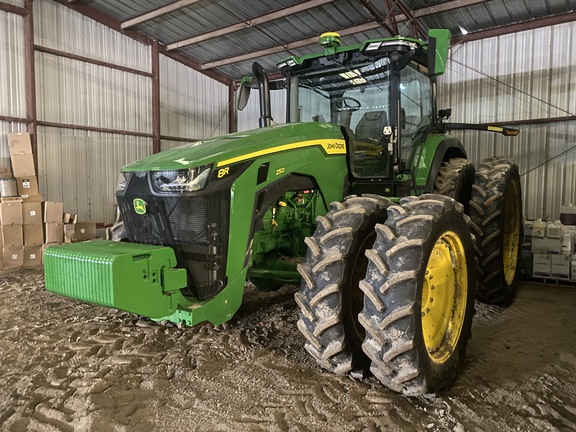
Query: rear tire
[
  {"x": 329, "y": 297},
  {"x": 455, "y": 179},
  {"x": 419, "y": 295},
  {"x": 496, "y": 213}
]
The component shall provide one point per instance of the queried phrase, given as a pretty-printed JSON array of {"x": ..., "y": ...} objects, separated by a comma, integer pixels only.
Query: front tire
[
  {"x": 329, "y": 297},
  {"x": 419, "y": 295},
  {"x": 496, "y": 213}
]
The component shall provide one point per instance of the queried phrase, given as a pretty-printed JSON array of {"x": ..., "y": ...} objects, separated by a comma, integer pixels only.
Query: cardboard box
[
  {"x": 11, "y": 213},
  {"x": 542, "y": 265},
  {"x": 23, "y": 165},
  {"x": 560, "y": 267},
  {"x": 567, "y": 243},
  {"x": 70, "y": 218},
  {"x": 32, "y": 255},
  {"x": 31, "y": 198},
  {"x": 84, "y": 231},
  {"x": 13, "y": 257},
  {"x": 11, "y": 199},
  {"x": 69, "y": 229},
  {"x": 27, "y": 185},
  {"x": 546, "y": 245},
  {"x": 53, "y": 232},
  {"x": 12, "y": 235},
  {"x": 53, "y": 211},
  {"x": 33, "y": 235},
  {"x": 19, "y": 143},
  {"x": 31, "y": 213}
]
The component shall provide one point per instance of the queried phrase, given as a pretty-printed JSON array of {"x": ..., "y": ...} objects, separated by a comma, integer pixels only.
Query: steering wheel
[{"x": 343, "y": 104}]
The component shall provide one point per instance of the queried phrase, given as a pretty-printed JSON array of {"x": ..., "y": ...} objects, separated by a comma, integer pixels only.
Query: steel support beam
[
  {"x": 91, "y": 61},
  {"x": 30, "y": 77},
  {"x": 156, "y": 121},
  {"x": 417, "y": 29},
  {"x": 15, "y": 119},
  {"x": 281, "y": 13},
  {"x": 444, "y": 7},
  {"x": 513, "y": 28},
  {"x": 6, "y": 7},
  {"x": 156, "y": 13},
  {"x": 232, "y": 116},
  {"x": 296, "y": 44},
  {"x": 93, "y": 129},
  {"x": 104, "y": 19}
]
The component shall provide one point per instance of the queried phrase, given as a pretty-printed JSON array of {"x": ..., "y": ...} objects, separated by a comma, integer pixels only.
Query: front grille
[{"x": 195, "y": 226}]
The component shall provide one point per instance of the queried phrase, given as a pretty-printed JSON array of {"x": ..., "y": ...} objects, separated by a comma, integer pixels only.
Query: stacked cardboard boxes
[
  {"x": 23, "y": 166},
  {"x": 553, "y": 249},
  {"x": 53, "y": 225},
  {"x": 12, "y": 233},
  {"x": 26, "y": 222}
]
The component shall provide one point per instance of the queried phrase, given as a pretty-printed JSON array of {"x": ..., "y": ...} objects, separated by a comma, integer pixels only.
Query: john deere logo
[{"x": 139, "y": 206}]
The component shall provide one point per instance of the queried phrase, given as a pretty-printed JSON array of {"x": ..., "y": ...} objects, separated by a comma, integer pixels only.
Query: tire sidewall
[
  {"x": 512, "y": 180},
  {"x": 356, "y": 254},
  {"x": 440, "y": 375}
]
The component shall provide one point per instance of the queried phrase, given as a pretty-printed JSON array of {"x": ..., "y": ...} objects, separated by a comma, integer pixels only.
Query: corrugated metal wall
[
  {"x": 74, "y": 92},
  {"x": 80, "y": 167},
  {"x": 248, "y": 117},
  {"x": 12, "y": 94},
  {"x": 521, "y": 76},
  {"x": 192, "y": 105},
  {"x": 61, "y": 28}
]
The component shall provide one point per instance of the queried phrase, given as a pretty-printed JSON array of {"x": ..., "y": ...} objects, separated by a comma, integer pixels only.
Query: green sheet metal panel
[{"x": 133, "y": 277}]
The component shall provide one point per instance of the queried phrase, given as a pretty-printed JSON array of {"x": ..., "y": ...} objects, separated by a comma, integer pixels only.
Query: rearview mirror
[{"x": 243, "y": 92}]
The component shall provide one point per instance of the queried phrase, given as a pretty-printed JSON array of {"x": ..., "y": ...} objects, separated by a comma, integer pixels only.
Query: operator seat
[{"x": 371, "y": 125}]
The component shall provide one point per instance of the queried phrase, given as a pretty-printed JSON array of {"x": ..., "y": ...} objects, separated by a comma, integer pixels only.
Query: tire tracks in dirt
[{"x": 68, "y": 366}]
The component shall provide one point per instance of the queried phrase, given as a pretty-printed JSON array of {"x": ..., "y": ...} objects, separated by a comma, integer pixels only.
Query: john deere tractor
[{"x": 361, "y": 197}]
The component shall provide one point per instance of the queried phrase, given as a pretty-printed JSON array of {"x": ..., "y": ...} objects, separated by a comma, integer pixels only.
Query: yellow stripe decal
[
  {"x": 495, "y": 129},
  {"x": 330, "y": 146}
]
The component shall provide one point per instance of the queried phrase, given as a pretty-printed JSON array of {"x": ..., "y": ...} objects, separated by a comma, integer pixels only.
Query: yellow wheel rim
[
  {"x": 444, "y": 297},
  {"x": 511, "y": 232}
]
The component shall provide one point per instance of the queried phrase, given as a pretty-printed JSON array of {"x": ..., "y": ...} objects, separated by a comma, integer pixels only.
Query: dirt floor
[{"x": 69, "y": 366}]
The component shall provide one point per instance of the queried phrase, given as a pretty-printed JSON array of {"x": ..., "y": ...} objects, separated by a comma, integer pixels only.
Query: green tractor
[{"x": 361, "y": 197}]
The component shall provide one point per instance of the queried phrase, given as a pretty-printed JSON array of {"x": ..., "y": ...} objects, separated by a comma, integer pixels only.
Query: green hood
[{"x": 232, "y": 148}]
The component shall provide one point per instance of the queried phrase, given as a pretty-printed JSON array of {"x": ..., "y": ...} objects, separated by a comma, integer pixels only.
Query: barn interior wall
[
  {"x": 526, "y": 76},
  {"x": 95, "y": 118}
]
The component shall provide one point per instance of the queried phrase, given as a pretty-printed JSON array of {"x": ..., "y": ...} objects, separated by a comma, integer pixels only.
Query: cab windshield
[{"x": 356, "y": 97}]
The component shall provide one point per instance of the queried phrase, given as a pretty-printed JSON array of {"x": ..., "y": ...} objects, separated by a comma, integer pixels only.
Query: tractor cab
[{"x": 380, "y": 93}]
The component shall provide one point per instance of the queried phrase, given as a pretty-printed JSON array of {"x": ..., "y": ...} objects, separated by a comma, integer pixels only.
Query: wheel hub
[{"x": 444, "y": 296}]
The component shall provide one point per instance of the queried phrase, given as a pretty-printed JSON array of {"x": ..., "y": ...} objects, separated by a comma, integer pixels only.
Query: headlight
[
  {"x": 184, "y": 180},
  {"x": 122, "y": 181}
]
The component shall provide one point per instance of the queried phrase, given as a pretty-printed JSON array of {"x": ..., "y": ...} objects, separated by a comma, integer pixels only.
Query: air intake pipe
[{"x": 264, "y": 86}]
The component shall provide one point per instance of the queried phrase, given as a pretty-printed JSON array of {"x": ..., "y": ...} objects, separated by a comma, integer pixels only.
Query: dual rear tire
[
  {"x": 416, "y": 287},
  {"x": 419, "y": 295},
  {"x": 391, "y": 287}
]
